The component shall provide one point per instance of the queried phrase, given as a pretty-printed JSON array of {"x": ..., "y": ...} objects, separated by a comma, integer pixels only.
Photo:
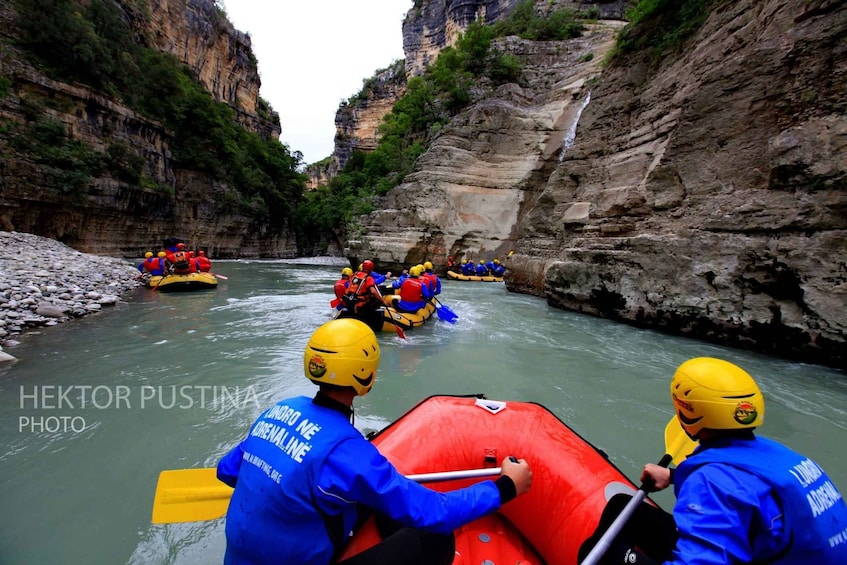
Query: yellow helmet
[
  {"x": 415, "y": 271},
  {"x": 162, "y": 254},
  {"x": 715, "y": 394},
  {"x": 344, "y": 353},
  {"x": 428, "y": 266},
  {"x": 497, "y": 261},
  {"x": 347, "y": 271},
  {"x": 464, "y": 261},
  {"x": 148, "y": 254}
]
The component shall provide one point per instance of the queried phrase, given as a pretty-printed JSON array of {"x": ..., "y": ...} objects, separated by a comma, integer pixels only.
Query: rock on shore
[{"x": 44, "y": 282}]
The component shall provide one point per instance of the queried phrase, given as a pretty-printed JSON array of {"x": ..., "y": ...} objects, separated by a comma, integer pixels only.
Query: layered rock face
[
  {"x": 468, "y": 188},
  {"x": 702, "y": 195},
  {"x": 708, "y": 198},
  {"x": 112, "y": 217},
  {"x": 358, "y": 119},
  {"x": 432, "y": 25}
]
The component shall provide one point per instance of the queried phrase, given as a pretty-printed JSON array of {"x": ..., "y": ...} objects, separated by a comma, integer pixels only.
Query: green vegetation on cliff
[
  {"x": 662, "y": 25},
  {"x": 94, "y": 43},
  {"x": 429, "y": 103}
]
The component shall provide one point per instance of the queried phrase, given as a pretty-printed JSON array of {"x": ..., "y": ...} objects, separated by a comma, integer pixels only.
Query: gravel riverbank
[{"x": 44, "y": 283}]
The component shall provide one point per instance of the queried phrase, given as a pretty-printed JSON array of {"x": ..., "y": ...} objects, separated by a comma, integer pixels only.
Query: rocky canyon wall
[
  {"x": 704, "y": 192},
  {"x": 110, "y": 216}
]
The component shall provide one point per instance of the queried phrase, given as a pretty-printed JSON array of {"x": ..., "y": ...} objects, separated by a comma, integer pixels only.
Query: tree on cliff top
[{"x": 93, "y": 43}]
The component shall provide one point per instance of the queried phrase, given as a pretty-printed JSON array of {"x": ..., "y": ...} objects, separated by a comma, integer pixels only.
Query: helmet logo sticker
[
  {"x": 317, "y": 366},
  {"x": 683, "y": 404},
  {"x": 745, "y": 413}
]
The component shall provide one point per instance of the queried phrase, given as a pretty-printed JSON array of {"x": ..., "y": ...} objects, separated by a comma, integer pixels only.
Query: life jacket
[
  {"x": 410, "y": 291},
  {"x": 358, "y": 295},
  {"x": 429, "y": 280},
  {"x": 341, "y": 288},
  {"x": 815, "y": 512},
  {"x": 182, "y": 263},
  {"x": 203, "y": 264},
  {"x": 151, "y": 264}
]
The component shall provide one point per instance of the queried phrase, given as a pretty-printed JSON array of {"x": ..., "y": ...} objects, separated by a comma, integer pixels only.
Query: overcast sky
[{"x": 315, "y": 53}]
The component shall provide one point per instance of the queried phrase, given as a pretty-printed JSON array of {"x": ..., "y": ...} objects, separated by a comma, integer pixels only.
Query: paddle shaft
[
  {"x": 609, "y": 535},
  {"x": 209, "y": 499}
]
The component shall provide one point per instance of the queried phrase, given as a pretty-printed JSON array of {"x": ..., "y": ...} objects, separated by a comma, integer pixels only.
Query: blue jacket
[
  {"x": 754, "y": 500},
  {"x": 398, "y": 282},
  {"x": 437, "y": 280},
  {"x": 481, "y": 270},
  {"x": 468, "y": 269},
  {"x": 299, "y": 475}
]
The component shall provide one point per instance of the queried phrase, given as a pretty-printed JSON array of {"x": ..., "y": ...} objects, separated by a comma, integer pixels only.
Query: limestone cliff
[
  {"x": 357, "y": 121},
  {"x": 432, "y": 25},
  {"x": 703, "y": 194},
  {"x": 111, "y": 216},
  {"x": 428, "y": 28}
]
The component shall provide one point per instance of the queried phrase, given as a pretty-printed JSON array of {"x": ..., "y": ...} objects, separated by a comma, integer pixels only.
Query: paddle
[
  {"x": 223, "y": 278},
  {"x": 444, "y": 312},
  {"x": 678, "y": 446},
  {"x": 400, "y": 333},
  {"x": 193, "y": 495}
]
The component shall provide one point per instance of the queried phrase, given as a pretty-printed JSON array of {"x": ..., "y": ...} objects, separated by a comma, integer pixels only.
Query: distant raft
[
  {"x": 183, "y": 283},
  {"x": 460, "y": 277}
]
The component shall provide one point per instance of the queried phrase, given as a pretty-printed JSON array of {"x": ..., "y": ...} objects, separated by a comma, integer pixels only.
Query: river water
[{"x": 95, "y": 408}]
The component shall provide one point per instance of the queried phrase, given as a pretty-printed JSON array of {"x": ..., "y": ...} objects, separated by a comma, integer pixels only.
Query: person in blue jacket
[
  {"x": 739, "y": 498},
  {"x": 304, "y": 475},
  {"x": 414, "y": 293},
  {"x": 498, "y": 270},
  {"x": 468, "y": 267},
  {"x": 398, "y": 282},
  {"x": 481, "y": 269}
]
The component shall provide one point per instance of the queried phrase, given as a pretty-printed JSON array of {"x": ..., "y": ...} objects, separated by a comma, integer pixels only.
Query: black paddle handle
[{"x": 648, "y": 485}]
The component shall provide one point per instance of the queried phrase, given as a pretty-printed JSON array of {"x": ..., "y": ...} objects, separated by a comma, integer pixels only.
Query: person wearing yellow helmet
[
  {"x": 340, "y": 288},
  {"x": 481, "y": 270},
  {"x": 468, "y": 267},
  {"x": 142, "y": 267},
  {"x": 305, "y": 476},
  {"x": 431, "y": 279},
  {"x": 414, "y": 292},
  {"x": 151, "y": 265},
  {"x": 497, "y": 269},
  {"x": 739, "y": 498}
]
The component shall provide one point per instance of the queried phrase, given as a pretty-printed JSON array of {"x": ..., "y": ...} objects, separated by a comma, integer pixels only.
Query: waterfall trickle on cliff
[{"x": 570, "y": 135}]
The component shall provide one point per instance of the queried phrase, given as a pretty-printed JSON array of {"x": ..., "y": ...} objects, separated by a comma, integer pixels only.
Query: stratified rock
[{"x": 704, "y": 193}]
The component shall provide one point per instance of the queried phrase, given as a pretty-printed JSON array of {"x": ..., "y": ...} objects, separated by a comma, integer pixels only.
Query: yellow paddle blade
[
  {"x": 189, "y": 495},
  {"x": 677, "y": 443}
]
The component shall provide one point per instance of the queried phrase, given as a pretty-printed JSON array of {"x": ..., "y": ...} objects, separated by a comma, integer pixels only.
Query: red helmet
[
  {"x": 201, "y": 253},
  {"x": 180, "y": 246},
  {"x": 367, "y": 265}
]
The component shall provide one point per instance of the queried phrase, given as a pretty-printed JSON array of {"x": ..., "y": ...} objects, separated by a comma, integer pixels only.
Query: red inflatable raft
[{"x": 572, "y": 480}]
